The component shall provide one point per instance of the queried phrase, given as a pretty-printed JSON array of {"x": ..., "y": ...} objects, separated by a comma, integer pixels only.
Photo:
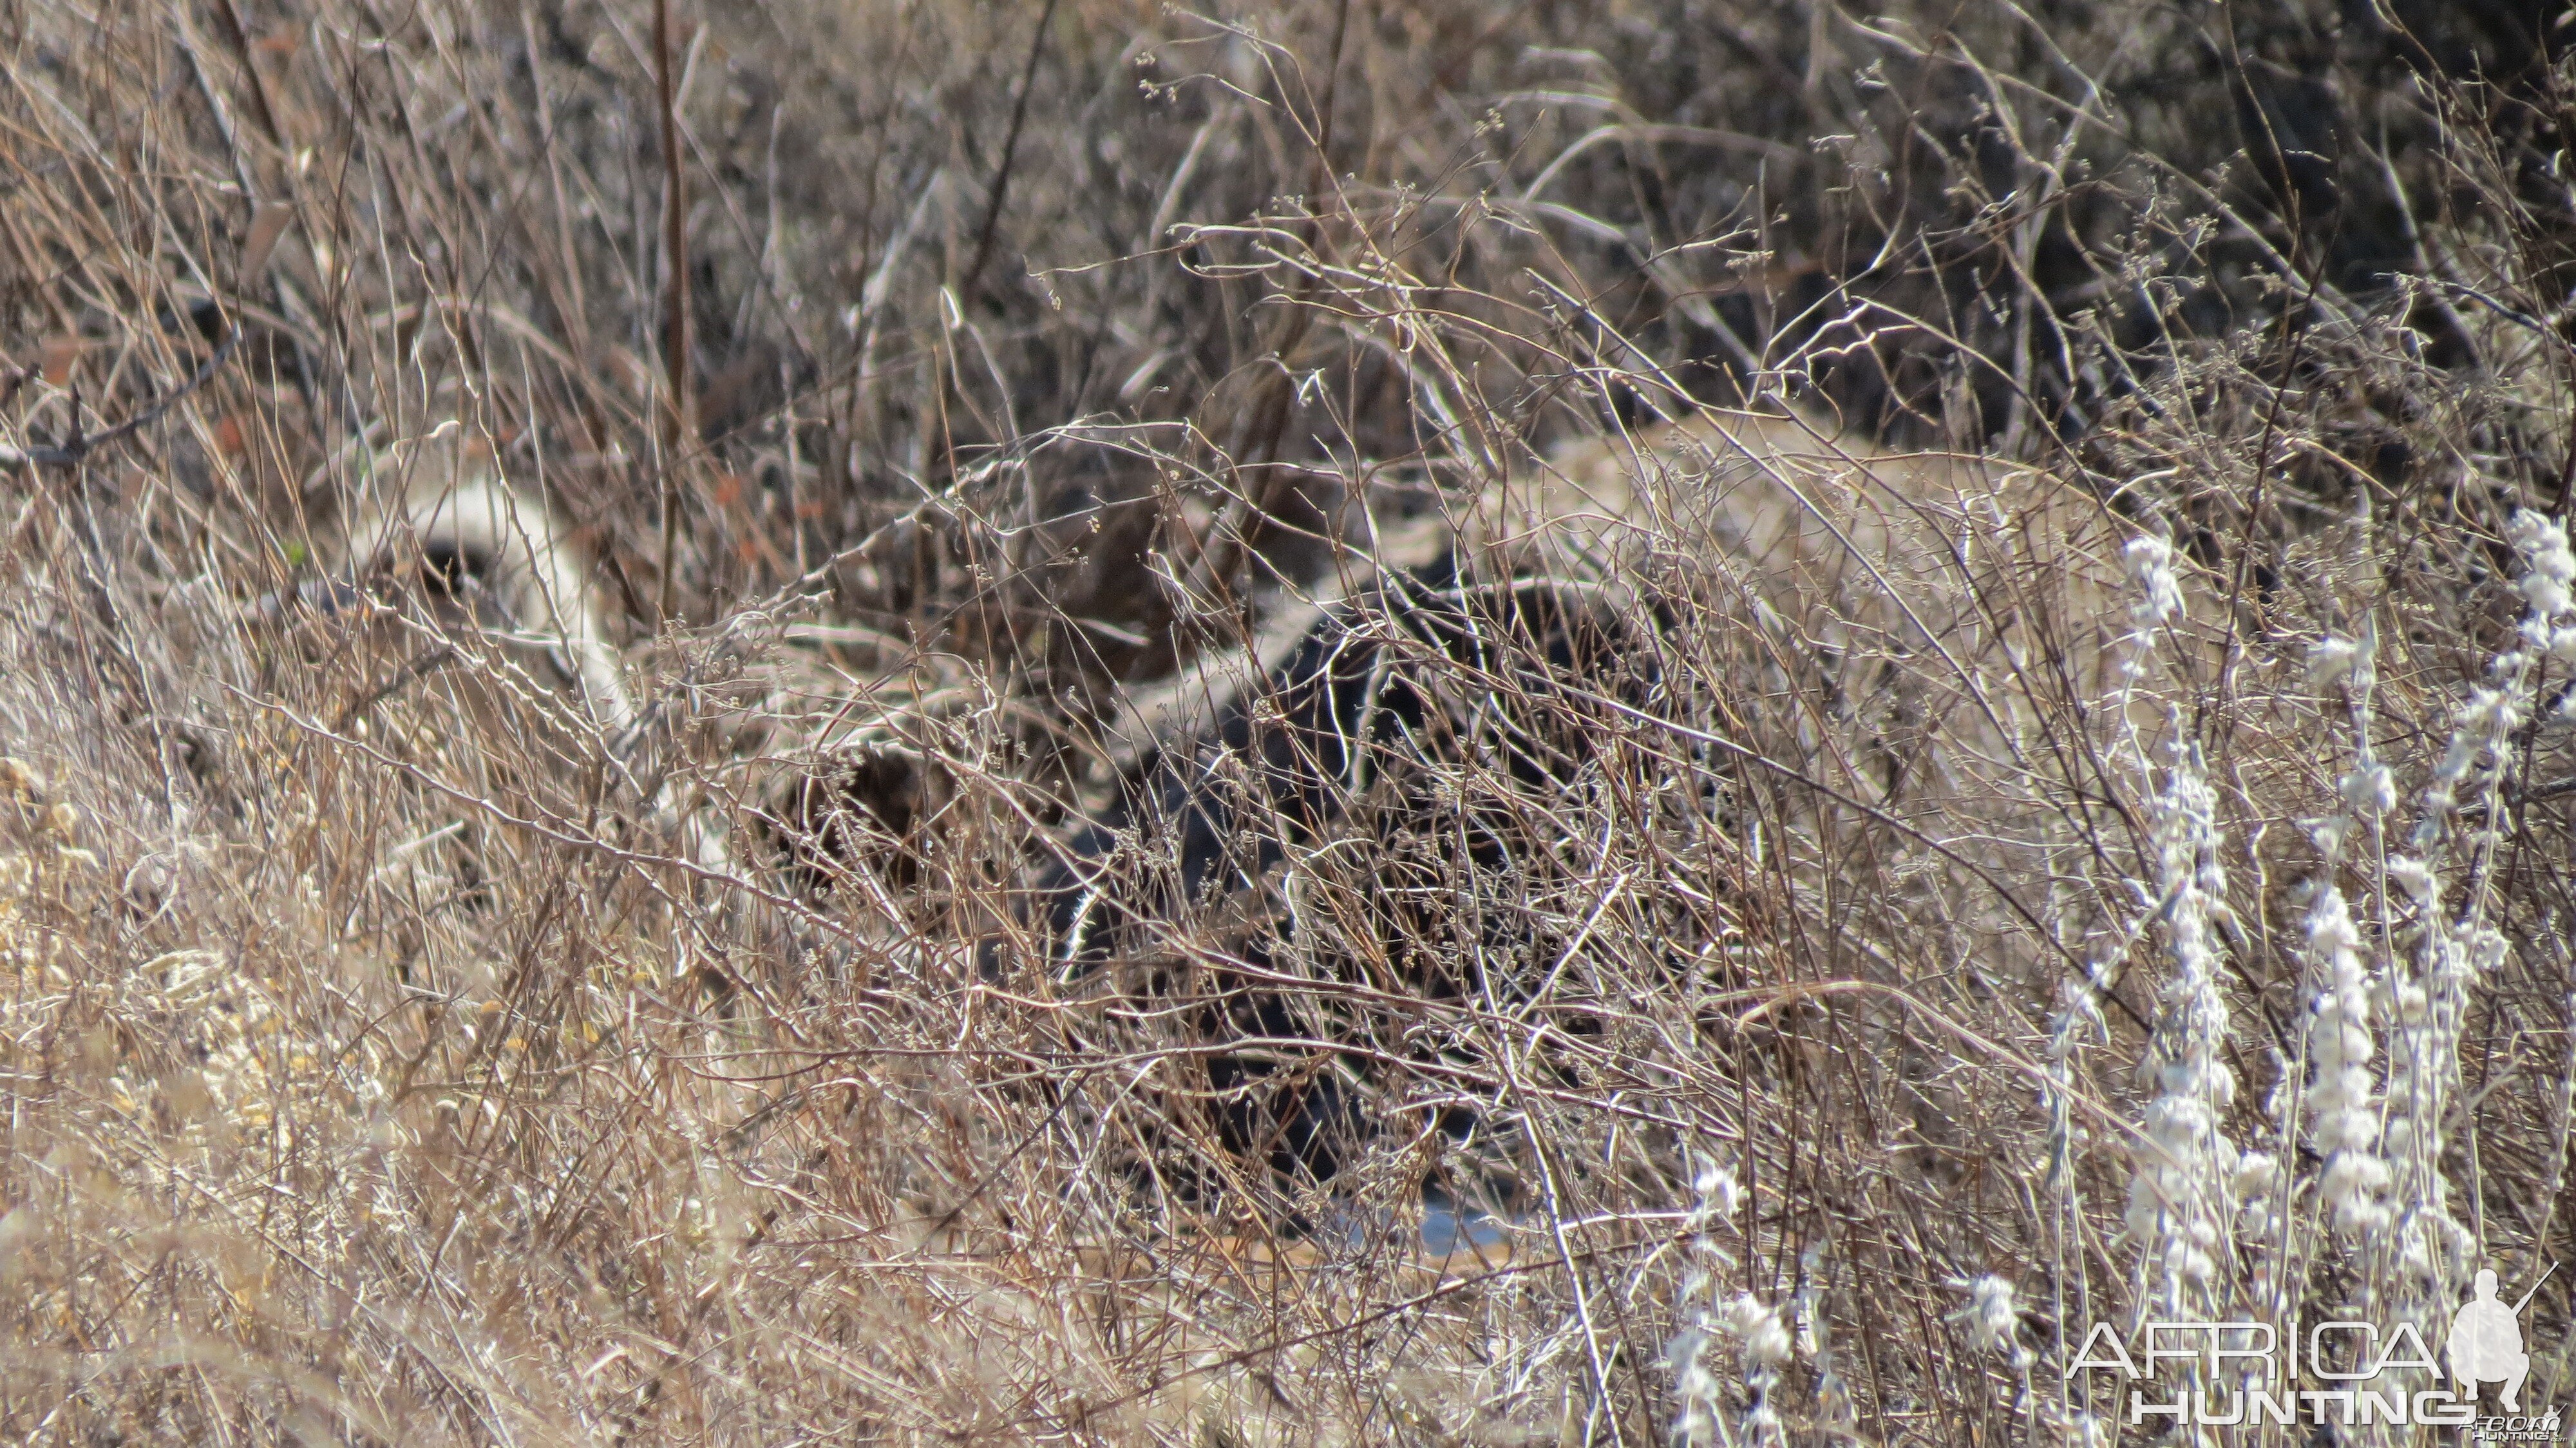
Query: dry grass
[{"x": 388, "y": 1053}]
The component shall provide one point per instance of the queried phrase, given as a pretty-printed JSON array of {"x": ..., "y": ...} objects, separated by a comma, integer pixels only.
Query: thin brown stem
[{"x": 674, "y": 412}]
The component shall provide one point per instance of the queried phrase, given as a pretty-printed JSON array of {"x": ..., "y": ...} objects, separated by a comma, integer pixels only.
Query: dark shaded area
[{"x": 1368, "y": 736}]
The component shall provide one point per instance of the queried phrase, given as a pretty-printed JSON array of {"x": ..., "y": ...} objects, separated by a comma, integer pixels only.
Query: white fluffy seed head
[
  {"x": 2414, "y": 877},
  {"x": 2548, "y": 582},
  {"x": 2343, "y": 1102},
  {"x": 1993, "y": 1319},
  {"x": 2150, "y": 561},
  {"x": 2179, "y": 1203},
  {"x": 1758, "y": 1328},
  {"x": 1718, "y": 1193},
  {"x": 2370, "y": 790},
  {"x": 2332, "y": 660}
]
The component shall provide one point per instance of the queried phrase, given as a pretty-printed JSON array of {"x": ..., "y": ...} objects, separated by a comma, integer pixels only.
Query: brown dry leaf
[
  {"x": 268, "y": 222},
  {"x": 54, "y": 360}
]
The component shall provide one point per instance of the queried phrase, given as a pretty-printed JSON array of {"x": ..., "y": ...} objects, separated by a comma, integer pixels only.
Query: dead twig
[{"x": 72, "y": 451}]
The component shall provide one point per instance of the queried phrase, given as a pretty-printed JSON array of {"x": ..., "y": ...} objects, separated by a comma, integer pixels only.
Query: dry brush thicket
[{"x": 2118, "y": 870}]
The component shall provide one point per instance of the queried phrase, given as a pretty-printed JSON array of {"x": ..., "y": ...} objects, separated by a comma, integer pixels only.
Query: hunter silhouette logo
[{"x": 2486, "y": 1341}]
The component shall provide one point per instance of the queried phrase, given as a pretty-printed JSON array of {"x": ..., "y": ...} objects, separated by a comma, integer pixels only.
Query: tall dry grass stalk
[{"x": 2079, "y": 833}]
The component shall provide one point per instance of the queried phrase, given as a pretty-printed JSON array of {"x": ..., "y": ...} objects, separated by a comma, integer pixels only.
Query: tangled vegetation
[{"x": 1710, "y": 990}]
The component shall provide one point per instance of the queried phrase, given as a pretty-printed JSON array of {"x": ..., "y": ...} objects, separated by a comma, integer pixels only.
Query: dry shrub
[{"x": 1853, "y": 1009}]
